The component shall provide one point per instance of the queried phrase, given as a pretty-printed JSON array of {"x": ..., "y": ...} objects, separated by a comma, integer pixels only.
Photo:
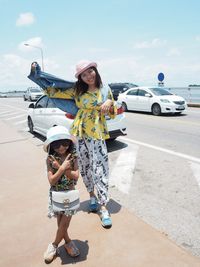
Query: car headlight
[{"x": 165, "y": 100}]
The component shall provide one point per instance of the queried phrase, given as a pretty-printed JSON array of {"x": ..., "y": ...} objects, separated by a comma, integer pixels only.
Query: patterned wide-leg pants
[{"x": 93, "y": 166}]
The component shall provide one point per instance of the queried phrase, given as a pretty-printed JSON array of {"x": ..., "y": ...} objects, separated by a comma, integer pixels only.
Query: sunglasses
[{"x": 57, "y": 144}]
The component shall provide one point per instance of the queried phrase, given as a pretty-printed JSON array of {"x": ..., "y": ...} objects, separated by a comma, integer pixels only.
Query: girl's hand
[
  {"x": 54, "y": 162},
  {"x": 105, "y": 107},
  {"x": 67, "y": 163}
]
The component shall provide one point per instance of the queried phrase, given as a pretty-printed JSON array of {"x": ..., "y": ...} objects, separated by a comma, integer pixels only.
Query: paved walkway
[{"x": 25, "y": 230}]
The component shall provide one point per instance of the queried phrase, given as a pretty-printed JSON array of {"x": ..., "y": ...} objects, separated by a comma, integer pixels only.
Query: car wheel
[
  {"x": 124, "y": 106},
  {"x": 156, "y": 110},
  {"x": 30, "y": 125}
]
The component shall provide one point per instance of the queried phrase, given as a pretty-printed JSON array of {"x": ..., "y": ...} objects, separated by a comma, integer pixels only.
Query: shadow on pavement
[
  {"x": 115, "y": 145},
  {"x": 113, "y": 206},
  {"x": 37, "y": 135},
  {"x": 84, "y": 249}
]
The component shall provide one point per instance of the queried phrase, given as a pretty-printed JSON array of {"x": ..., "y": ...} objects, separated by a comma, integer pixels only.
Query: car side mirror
[
  {"x": 148, "y": 95},
  {"x": 31, "y": 105}
]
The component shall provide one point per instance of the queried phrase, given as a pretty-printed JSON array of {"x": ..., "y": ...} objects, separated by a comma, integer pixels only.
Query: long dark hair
[{"x": 81, "y": 87}]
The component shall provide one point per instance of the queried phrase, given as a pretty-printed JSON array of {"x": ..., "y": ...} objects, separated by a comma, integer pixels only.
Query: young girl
[
  {"x": 91, "y": 131},
  {"x": 63, "y": 174}
]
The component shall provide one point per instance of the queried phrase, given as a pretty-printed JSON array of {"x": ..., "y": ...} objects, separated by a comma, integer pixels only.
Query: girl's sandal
[{"x": 72, "y": 249}]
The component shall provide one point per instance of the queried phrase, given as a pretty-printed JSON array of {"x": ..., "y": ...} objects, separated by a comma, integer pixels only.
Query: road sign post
[{"x": 161, "y": 79}]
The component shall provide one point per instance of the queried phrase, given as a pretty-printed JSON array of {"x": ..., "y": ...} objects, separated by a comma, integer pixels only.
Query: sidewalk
[{"x": 26, "y": 231}]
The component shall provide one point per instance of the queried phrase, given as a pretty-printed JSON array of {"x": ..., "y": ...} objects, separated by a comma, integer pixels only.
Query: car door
[
  {"x": 55, "y": 116},
  {"x": 40, "y": 115},
  {"x": 143, "y": 100},
  {"x": 131, "y": 99}
]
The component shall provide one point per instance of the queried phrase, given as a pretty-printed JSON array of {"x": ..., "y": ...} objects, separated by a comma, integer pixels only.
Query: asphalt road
[{"x": 154, "y": 170}]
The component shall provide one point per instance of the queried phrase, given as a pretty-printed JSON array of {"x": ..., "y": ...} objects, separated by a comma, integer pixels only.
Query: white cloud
[
  {"x": 156, "y": 42},
  {"x": 35, "y": 41},
  {"x": 121, "y": 69},
  {"x": 174, "y": 52},
  {"x": 25, "y": 19},
  {"x": 12, "y": 60},
  {"x": 15, "y": 70},
  {"x": 144, "y": 72},
  {"x": 197, "y": 38}
]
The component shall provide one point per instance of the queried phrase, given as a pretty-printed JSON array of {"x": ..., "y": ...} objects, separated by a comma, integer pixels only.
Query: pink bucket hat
[{"x": 84, "y": 65}]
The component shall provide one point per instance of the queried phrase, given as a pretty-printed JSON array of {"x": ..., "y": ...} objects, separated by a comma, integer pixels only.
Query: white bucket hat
[
  {"x": 56, "y": 133},
  {"x": 84, "y": 65}
]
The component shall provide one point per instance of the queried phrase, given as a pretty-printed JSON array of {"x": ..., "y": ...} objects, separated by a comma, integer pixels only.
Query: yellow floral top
[{"x": 89, "y": 121}]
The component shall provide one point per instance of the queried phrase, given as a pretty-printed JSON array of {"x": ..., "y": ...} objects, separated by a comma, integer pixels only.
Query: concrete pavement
[{"x": 26, "y": 231}]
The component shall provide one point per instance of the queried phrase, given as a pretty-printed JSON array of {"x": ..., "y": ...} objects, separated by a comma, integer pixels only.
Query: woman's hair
[
  {"x": 70, "y": 148},
  {"x": 81, "y": 87}
]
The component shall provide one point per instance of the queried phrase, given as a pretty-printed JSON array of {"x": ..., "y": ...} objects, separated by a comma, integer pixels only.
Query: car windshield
[
  {"x": 160, "y": 91},
  {"x": 130, "y": 85},
  {"x": 35, "y": 90}
]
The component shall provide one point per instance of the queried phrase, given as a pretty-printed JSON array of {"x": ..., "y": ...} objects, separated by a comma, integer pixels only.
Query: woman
[{"x": 90, "y": 129}]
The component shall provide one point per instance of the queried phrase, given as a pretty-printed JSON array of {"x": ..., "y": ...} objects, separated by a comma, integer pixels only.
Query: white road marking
[
  {"x": 196, "y": 171},
  {"x": 5, "y": 113},
  {"x": 14, "y": 107},
  {"x": 122, "y": 170},
  {"x": 20, "y": 122},
  {"x": 13, "y": 118},
  {"x": 181, "y": 155}
]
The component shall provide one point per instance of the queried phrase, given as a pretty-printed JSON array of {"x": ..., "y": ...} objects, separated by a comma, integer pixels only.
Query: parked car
[
  {"x": 32, "y": 94},
  {"x": 3, "y": 95},
  {"x": 152, "y": 99},
  {"x": 44, "y": 114},
  {"x": 118, "y": 88}
]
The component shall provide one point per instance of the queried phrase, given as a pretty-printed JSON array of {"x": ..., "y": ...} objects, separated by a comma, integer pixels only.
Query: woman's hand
[
  {"x": 106, "y": 106},
  {"x": 33, "y": 66},
  {"x": 66, "y": 165}
]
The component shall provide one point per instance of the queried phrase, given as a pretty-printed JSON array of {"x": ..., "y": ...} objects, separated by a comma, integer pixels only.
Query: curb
[{"x": 195, "y": 105}]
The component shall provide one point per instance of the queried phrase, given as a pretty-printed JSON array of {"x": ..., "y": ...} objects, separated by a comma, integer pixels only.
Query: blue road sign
[{"x": 161, "y": 76}]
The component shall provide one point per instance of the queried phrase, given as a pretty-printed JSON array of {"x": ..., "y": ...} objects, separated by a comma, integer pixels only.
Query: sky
[{"x": 131, "y": 40}]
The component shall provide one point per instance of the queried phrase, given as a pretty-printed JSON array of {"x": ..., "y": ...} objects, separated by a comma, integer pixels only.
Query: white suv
[
  {"x": 44, "y": 114},
  {"x": 32, "y": 94}
]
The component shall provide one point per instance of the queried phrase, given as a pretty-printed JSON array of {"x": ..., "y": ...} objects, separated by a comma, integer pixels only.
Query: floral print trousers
[{"x": 93, "y": 166}]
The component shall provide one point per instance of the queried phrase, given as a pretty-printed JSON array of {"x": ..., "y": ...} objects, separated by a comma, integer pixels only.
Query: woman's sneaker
[
  {"x": 93, "y": 206},
  {"x": 50, "y": 253},
  {"x": 105, "y": 219}
]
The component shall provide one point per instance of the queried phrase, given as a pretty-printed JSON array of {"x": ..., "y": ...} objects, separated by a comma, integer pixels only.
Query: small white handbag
[{"x": 65, "y": 200}]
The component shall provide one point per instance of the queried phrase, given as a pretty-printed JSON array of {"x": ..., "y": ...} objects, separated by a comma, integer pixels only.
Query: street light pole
[{"x": 41, "y": 51}]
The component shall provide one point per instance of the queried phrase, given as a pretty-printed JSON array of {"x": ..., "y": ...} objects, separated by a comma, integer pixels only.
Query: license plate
[{"x": 181, "y": 107}]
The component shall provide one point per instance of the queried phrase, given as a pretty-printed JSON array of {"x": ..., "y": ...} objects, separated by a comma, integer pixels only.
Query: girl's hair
[
  {"x": 70, "y": 148},
  {"x": 81, "y": 87}
]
